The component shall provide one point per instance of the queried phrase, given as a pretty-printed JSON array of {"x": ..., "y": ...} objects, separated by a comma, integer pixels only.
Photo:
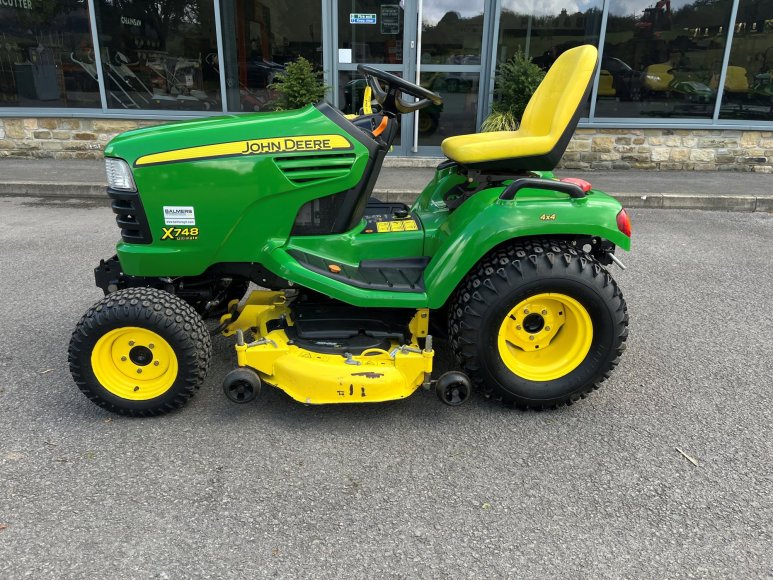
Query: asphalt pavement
[{"x": 410, "y": 489}]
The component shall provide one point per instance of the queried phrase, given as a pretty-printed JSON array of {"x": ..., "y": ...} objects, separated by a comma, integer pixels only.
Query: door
[
  {"x": 378, "y": 33},
  {"x": 448, "y": 56}
]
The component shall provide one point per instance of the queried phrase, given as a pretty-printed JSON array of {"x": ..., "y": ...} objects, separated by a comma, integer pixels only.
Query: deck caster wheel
[
  {"x": 453, "y": 388},
  {"x": 241, "y": 385}
]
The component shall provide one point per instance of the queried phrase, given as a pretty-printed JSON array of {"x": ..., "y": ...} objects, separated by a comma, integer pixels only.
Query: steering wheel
[{"x": 389, "y": 99}]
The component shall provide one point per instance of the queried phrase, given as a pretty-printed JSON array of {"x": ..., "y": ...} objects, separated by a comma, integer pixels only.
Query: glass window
[
  {"x": 452, "y": 32},
  {"x": 158, "y": 55},
  {"x": 748, "y": 92},
  {"x": 46, "y": 55},
  {"x": 662, "y": 60},
  {"x": 259, "y": 39},
  {"x": 372, "y": 30},
  {"x": 546, "y": 30},
  {"x": 458, "y": 113}
]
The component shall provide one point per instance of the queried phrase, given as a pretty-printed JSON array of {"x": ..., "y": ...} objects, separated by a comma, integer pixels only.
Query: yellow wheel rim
[
  {"x": 134, "y": 363},
  {"x": 545, "y": 337}
]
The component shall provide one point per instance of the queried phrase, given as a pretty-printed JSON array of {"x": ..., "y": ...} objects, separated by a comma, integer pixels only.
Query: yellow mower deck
[{"x": 315, "y": 378}]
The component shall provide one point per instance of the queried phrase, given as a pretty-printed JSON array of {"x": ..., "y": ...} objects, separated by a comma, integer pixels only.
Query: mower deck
[{"x": 359, "y": 360}]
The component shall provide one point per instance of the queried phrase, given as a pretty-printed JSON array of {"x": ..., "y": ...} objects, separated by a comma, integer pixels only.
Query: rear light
[
  {"x": 624, "y": 223},
  {"x": 581, "y": 183}
]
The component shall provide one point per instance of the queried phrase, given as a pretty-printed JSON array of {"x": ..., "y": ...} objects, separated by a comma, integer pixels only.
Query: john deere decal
[{"x": 251, "y": 147}]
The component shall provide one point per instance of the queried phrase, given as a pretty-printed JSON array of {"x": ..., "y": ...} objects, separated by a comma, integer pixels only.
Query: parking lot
[{"x": 410, "y": 489}]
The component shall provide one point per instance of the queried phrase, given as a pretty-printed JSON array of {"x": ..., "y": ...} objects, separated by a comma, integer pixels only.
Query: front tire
[
  {"x": 538, "y": 324},
  {"x": 140, "y": 352}
]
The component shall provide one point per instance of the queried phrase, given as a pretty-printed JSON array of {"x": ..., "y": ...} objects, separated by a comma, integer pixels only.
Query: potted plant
[{"x": 515, "y": 83}]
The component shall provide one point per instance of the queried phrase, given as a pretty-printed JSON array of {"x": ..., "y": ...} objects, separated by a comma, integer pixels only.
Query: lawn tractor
[{"x": 497, "y": 258}]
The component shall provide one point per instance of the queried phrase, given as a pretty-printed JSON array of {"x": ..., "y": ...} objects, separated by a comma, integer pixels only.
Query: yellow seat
[
  {"x": 606, "y": 84},
  {"x": 547, "y": 124},
  {"x": 736, "y": 80},
  {"x": 657, "y": 77}
]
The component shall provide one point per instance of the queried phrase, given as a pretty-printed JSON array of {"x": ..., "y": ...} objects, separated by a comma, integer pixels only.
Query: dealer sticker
[{"x": 179, "y": 215}]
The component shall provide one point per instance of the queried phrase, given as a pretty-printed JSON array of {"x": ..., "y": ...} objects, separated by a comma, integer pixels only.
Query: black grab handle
[{"x": 512, "y": 190}]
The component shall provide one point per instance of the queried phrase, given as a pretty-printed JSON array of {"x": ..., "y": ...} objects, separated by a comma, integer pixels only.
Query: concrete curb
[
  {"x": 734, "y": 203},
  {"x": 63, "y": 190}
]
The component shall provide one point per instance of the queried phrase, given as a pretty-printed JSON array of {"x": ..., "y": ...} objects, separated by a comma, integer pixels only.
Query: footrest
[{"x": 400, "y": 275}]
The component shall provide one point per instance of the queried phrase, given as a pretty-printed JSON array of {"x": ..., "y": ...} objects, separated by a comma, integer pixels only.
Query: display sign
[
  {"x": 27, "y": 5},
  {"x": 390, "y": 19},
  {"x": 362, "y": 18}
]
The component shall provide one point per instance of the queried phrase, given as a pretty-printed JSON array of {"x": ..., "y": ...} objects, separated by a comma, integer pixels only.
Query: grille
[
  {"x": 315, "y": 168},
  {"x": 130, "y": 216}
]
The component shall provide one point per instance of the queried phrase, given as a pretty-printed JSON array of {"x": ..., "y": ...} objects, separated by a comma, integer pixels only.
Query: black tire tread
[
  {"x": 157, "y": 310},
  {"x": 491, "y": 276}
]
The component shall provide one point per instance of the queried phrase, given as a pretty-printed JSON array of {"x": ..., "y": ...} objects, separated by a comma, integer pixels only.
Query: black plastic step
[{"x": 399, "y": 275}]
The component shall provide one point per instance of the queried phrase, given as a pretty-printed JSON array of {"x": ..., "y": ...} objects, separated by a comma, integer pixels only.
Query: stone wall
[
  {"x": 60, "y": 138},
  {"x": 670, "y": 149},
  {"x": 657, "y": 149}
]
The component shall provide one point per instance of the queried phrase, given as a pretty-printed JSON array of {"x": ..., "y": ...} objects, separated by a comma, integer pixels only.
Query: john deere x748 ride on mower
[{"x": 509, "y": 261}]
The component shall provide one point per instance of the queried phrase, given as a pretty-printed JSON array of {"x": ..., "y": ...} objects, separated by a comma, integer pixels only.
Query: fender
[{"x": 484, "y": 221}]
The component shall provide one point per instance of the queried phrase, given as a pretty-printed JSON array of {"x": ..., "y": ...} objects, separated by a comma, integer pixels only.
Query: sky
[{"x": 434, "y": 9}]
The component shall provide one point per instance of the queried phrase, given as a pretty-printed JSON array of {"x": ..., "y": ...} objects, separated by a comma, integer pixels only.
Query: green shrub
[
  {"x": 299, "y": 85},
  {"x": 515, "y": 83}
]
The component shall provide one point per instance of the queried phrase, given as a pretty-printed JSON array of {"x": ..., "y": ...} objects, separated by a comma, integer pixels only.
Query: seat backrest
[{"x": 555, "y": 106}]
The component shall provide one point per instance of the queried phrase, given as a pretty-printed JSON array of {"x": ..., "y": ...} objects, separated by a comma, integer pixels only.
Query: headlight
[{"x": 119, "y": 176}]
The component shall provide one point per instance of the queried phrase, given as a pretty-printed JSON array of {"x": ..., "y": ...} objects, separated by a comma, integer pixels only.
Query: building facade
[{"x": 682, "y": 84}]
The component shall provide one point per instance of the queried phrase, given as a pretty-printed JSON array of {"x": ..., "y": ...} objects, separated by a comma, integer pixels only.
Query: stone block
[
  {"x": 750, "y": 138},
  {"x": 620, "y": 165},
  {"x": 702, "y": 155},
  {"x": 705, "y": 167},
  {"x": 671, "y": 166},
  {"x": 69, "y": 124},
  {"x": 656, "y": 141},
  {"x": 578, "y": 145},
  {"x": 42, "y": 134},
  {"x": 623, "y": 141},
  {"x": 30, "y": 124},
  {"x": 635, "y": 158},
  {"x": 2, "y": 131},
  {"x": 762, "y": 168},
  {"x": 672, "y": 141},
  {"x": 113, "y": 125},
  {"x": 84, "y": 137},
  {"x": 638, "y": 141},
  {"x": 14, "y": 129},
  {"x": 576, "y": 165},
  {"x": 661, "y": 153},
  {"x": 644, "y": 165},
  {"x": 49, "y": 124},
  {"x": 689, "y": 141},
  {"x": 714, "y": 142},
  {"x": 605, "y": 144},
  {"x": 601, "y": 165},
  {"x": 61, "y": 135},
  {"x": 680, "y": 154}
]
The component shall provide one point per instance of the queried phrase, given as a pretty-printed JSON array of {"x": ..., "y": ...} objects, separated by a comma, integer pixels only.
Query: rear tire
[
  {"x": 540, "y": 293},
  {"x": 140, "y": 352}
]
